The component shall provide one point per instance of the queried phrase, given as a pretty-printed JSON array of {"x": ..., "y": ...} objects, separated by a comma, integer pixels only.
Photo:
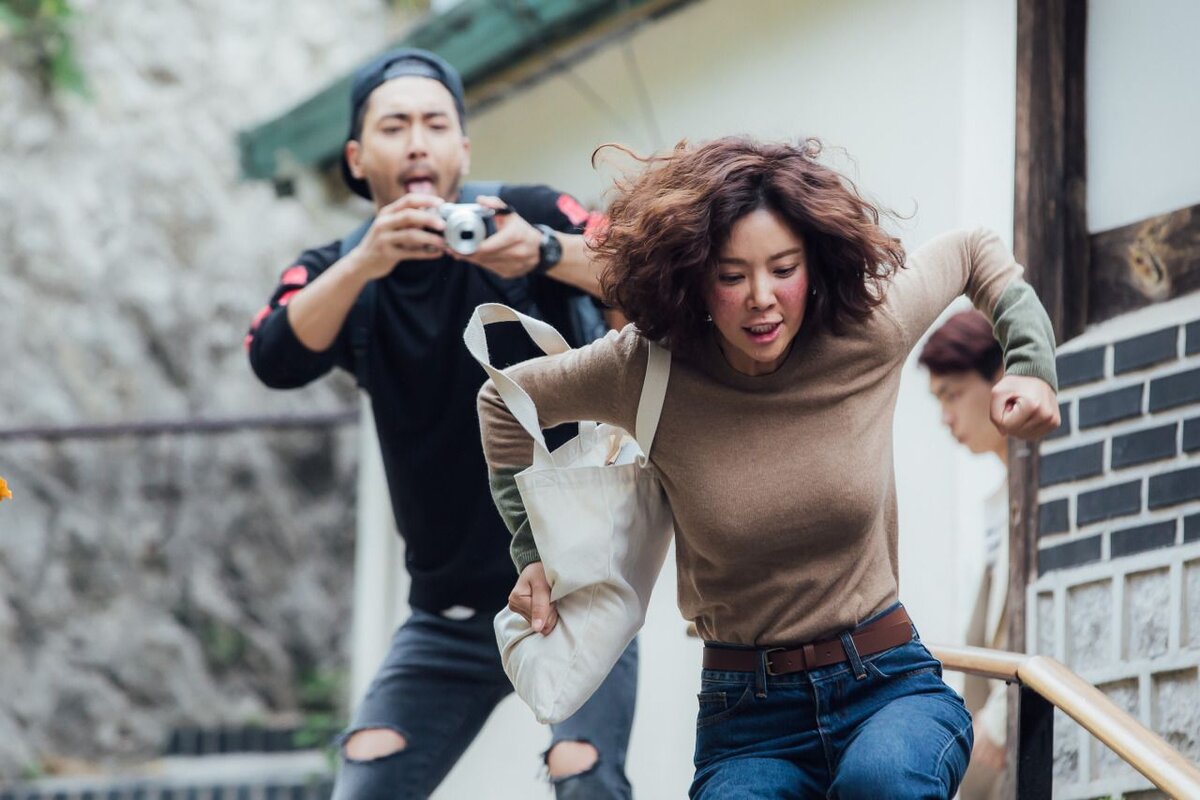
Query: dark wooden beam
[
  {"x": 1050, "y": 239},
  {"x": 1050, "y": 236},
  {"x": 1050, "y": 231},
  {"x": 1147, "y": 262}
]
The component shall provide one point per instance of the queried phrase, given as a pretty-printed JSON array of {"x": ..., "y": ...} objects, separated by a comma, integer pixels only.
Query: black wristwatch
[{"x": 549, "y": 251}]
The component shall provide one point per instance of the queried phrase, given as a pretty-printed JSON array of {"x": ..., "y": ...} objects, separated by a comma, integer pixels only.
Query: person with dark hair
[
  {"x": 965, "y": 364},
  {"x": 789, "y": 313},
  {"x": 388, "y": 303}
]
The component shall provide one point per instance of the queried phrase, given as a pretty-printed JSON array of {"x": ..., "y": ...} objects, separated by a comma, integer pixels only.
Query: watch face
[{"x": 551, "y": 248}]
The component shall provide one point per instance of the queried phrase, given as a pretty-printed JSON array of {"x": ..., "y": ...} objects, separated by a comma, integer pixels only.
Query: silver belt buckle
[{"x": 767, "y": 660}]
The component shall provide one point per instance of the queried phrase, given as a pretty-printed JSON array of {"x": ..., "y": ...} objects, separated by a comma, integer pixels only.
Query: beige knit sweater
[{"x": 782, "y": 485}]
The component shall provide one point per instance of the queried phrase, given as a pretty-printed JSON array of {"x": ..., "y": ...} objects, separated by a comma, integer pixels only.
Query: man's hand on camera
[
  {"x": 513, "y": 250},
  {"x": 530, "y": 598},
  {"x": 408, "y": 229}
]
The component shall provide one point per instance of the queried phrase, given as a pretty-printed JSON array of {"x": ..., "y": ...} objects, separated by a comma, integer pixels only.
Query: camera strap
[{"x": 515, "y": 291}]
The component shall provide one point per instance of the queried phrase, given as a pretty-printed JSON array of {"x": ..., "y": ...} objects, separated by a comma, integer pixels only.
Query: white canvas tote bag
[{"x": 602, "y": 525}]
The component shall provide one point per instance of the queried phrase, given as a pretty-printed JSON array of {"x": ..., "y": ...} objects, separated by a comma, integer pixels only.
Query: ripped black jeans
[{"x": 438, "y": 685}]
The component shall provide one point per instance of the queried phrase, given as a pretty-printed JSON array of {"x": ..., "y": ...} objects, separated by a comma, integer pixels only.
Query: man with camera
[{"x": 388, "y": 303}]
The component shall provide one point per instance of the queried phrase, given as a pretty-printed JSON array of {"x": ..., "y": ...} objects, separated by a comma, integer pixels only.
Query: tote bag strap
[
  {"x": 654, "y": 390},
  {"x": 543, "y": 334},
  {"x": 519, "y": 403},
  {"x": 551, "y": 342}
]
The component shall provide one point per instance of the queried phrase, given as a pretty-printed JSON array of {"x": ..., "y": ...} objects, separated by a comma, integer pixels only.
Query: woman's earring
[
  {"x": 708, "y": 317},
  {"x": 813, "y": 291}
]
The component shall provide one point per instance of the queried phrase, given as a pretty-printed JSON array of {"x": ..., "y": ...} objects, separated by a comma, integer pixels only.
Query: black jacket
[{"x": 422, "y": 384}]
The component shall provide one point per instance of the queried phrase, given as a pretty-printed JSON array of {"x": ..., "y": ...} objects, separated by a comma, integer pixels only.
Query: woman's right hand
[{"x": 530, "y": 598}]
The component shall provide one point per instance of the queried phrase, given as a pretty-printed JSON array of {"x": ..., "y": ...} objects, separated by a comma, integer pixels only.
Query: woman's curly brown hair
[{"x": 668, "y": 224}]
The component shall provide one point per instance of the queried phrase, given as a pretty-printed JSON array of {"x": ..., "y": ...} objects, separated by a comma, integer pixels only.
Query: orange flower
[{"x": 5, "y": 494}]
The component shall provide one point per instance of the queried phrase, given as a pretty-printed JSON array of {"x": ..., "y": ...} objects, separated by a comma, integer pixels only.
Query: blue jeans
[
  {"x": 437, "y": 686},
  {"x": 884, "y": 725}
]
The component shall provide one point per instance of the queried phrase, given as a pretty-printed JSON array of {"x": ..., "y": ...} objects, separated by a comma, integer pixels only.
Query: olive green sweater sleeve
[
  {"x": 507, "y": 497},
  {"x": 1024, "y": 331},
  {"x": 978, "y": 264}
]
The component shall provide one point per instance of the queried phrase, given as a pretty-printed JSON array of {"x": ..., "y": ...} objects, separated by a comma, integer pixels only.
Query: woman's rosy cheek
[
  {"x": 794, "y": 293},
  {"x": 722, "y": 300}
]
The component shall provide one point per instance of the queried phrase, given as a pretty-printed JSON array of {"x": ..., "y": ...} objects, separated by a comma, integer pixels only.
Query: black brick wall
[
  {"x": 1191, "y": 435},
  {"x": 1054, "y": 517},
  {"x": 1175, "y": 390},
  {"x": 1071, "y": 554},
  {"x": 1101, "y": 409},
  {"x": 1144, "y": 537},
  {"x": 1142, "y": 351},
  {"x": 1192, "y": 344},
  {"x": 1138, "y": 448},
  {"x": 1082, "y": 367},
  {"x": 1073, "y": 464},
  {"x": 1124, "y": 467},
  {"x": 1111, "y": 501},
  {"x": 1172, "y": 488}
]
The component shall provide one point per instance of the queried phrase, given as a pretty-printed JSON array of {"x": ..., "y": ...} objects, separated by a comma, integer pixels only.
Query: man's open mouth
[{"x": 420, "y": 183}]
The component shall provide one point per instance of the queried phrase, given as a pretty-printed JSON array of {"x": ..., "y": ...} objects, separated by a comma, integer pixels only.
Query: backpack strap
[
  {"x": 515, "y": 291},
  {"x": 471, "y": 190},
  {"x": 361, "y": 319}
]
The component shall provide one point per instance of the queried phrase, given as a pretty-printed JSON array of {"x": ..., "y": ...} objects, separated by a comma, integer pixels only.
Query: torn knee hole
[
  {"x": 567, "y": 759},
  {"x": 372, "y": 743}
]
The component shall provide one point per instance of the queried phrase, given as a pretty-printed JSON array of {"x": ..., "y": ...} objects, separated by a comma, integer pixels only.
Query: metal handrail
[
  {"x": 179, "y": 427},
  {"x": 1137, "y": 745}
]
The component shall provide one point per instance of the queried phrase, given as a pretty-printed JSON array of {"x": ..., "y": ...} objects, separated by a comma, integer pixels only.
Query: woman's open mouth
[{"x": 764, "y": 333}]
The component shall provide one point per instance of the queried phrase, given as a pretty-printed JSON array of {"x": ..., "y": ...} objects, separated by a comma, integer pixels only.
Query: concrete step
[{"x": 298, "y": 775}]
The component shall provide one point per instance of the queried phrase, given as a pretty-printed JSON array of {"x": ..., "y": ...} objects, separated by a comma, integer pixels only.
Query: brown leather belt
[{"x": 891, "y": 630}]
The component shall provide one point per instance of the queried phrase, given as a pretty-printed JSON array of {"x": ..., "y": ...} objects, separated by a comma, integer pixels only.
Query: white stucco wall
[{"x": 1143, "y": 107}]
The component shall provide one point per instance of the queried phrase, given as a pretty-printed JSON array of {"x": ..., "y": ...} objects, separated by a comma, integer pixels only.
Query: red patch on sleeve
[
  {"x": 571, "y": 209},
  {"x": 259, "y": 317},
  {"x": 254, "y": 323},
  {"x": 597, "y": 225},
  {"x": 287, "y": 296},
  {"x": 294, "y": 276}
]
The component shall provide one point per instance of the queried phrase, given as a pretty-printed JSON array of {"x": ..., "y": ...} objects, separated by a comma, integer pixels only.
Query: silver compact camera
[{"x": 467, "y": 225}]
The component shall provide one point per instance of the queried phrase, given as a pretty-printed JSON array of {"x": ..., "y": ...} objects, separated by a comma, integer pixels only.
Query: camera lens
[{"x": 465, "y": 227}]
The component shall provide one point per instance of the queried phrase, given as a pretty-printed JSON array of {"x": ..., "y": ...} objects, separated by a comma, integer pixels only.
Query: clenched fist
[{"x": 1024, "y": 407}]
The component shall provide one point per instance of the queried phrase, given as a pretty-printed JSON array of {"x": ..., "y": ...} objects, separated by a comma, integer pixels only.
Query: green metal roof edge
[{"x": 476, "y": 36}]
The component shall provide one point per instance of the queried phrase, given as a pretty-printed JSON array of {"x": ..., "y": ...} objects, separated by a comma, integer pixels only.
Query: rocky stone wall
[{"x": 149, "y": 582}]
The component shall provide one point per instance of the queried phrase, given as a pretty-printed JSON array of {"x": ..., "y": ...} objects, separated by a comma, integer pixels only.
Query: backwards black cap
[{"x": 398, "y": 63}]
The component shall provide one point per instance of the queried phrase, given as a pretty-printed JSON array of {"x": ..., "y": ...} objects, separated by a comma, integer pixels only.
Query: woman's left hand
[{"x": 1024, "y": 407}]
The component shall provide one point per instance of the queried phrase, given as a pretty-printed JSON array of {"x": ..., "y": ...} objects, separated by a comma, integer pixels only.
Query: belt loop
[
  {"x": 760, "y": 674},
  {"x": 856, "y": 663}
]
